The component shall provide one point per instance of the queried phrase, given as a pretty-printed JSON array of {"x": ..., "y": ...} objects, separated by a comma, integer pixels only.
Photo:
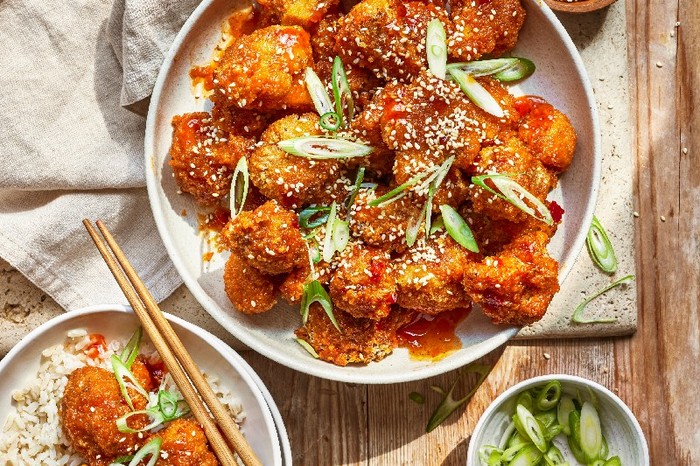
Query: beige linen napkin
[{"x": 69, "y": 149}]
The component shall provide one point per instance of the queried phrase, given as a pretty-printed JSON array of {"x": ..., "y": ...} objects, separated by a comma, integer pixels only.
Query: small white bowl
[
  {"x": 621, "y": 429},
  {"x": 262, "y": 427}
]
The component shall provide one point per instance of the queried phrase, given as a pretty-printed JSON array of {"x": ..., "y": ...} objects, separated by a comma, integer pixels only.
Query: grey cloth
[{"x": 69, "y": 149}]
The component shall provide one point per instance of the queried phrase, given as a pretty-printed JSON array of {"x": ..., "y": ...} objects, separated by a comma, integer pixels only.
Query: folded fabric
[{"x": 69, "y": 149}]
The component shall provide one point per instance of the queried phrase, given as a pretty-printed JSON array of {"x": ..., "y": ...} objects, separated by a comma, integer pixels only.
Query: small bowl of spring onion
[{"x": 561, "y": 420}]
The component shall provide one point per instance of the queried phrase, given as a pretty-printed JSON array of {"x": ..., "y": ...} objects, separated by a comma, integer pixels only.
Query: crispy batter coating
[
  {"x": 265, "y": 70},
  {"x": 511, "y": 158},
  {"x": 430, "y": 276},
  {"x": 185, "y": 444},
  {"x": 516, "y": 286},
  {"x": 291, "y": 180},
  {"x": 484, "y": 27},
  {"x": 241, "y": 122},
  {"x": 248, "y": 289},
  {"x": 91, "y": 404},
  {"x": 360, "y": 340},
  {"x": 388, "y": 36},
  {"x": 547, "y": 132},
  {"x": 366, "y": 127},
  {"x": 203, "y": 158},
  {"x": 303, "y": 13},
  {"x": 267, "y": 238},
  {"x": 364, "y": 284}
]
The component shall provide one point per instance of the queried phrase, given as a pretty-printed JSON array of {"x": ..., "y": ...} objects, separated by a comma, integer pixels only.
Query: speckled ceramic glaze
[
  {"x": 621, "y": 429},
  {"x": 560, "y": 78},
  {"x": 263, "y": 426}
]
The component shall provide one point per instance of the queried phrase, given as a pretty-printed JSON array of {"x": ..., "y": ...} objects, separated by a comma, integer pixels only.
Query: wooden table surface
[{"x": 656, "y": 371}]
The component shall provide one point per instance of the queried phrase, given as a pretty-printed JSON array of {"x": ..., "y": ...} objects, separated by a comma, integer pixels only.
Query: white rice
[{"x": 32, "y": 433}]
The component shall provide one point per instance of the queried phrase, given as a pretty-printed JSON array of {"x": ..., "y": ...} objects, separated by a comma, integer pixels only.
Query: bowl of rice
[{"x": 35, "y": 372}]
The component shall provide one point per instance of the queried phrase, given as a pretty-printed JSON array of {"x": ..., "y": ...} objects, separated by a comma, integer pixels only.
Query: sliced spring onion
[
  {"x": 121, "y": 459},
  {"x": 511, "y": 191},
  {"x": 549, "y": 396},
  {"x": 341, "y": 234},
  {"x": 591, "y": 433},
  {"x": 239, "y": 187},
  {"x": 369, "y": 185},
  {"x": 449, "y": 405},
  {"x": 529, "y": 455},
  {"x": 566, "y": 405},
  {"x": 342, "y": 92},
  {"x": 171, "y": 405},
  {"x": 328, "y": 246},
  {"x": 152, "y": 447},
  {"x": 399, "y": 191},
  {"x": 330, "y": 121},
  {"x": 604, "y": 449},
  {"x": 416, "y": 398},
  {"x": 575, "y": 449},
  {"x": 546, "y": 418},
  {"x": 314, "y": 292},
  {"x": 531, "y": 427},
  {"x": 313, "y": 216},
  {"x": 413, "y": 228},
  {"x": 436, "y": 47},
  {"x": 503, "y": 69},
  {"x": 476, "y": 92},
  {"x": 310, "y": 349},
  {"x": 314, "y": 253},
  {"x": 458, "y": 229},
  {"x": 521, "y": 69},
  {"x": 507, "y": 434},
  {"x": 553, "y": 457},
  {"x": 154, "y": 413},
  {"x": 578, "y": 318},
  {"x": 323, "y": 148},
  {"x": 600, "y": 248},
  {"x": 131, "y": 350},
  {"x": 121, "y": 372},
  {"x": 552, "y": 431},
  {"x": 613, "y": 461},
  {"x": 490, "y": 455},
  {"x": 440, "y": 175},
  {"x": 525, "y": 399},
  {"x": 438, "y": 224},
  {"x": 356, "y": 188},
  {"x": 597, "y": 463},
  {"x": 510, "y": 452},
  {"x": 318, "y": 93}
]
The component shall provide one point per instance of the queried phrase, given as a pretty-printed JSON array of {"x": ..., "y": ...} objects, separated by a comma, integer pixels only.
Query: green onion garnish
[
  {"x": 529, "y": 455},
  {"x": 171, "y": 405},
  {"x": 121, "y": 372},
  {"x": 356, "y": 188},
  {"x": 167, "y": 408},
  {"x": 154, "y": 413},
  {"x": 613, "y": 461},
  {"x": 239, "y": 187},
  {"x": 131, "y": 350},
  {"x": 413, "y": 227},
  {"x": 308, "y": 217},
  {"x": 553, "y": 457},
  {"x": 330, "y": 121},
  {"x": 323, "y": 148},
  {"x": 152, "y": 447},
  {"x": 341, "y": 92},
  {"x": 549, "y": 396},
  {"x": 416, "y": 398},
  {"x": 310, "y": 349},
  {"x": 436, "y": 47},
  {"x": 532, "y": 427},
  {"x": 438, "y": 224},
  {"x": 578, "y": 312},
  {"x": 510, "y": 452},
  {"x": 490, "y": 455},
  {"x": 314, "y": 292},
  {"x": 591, "y": 435},
  {"x": 476, "y": 92},
  {"x": 458, "y": 229},
  {"x": 337, "y": 234},
  {"x": 341, "y": 234},
  {"x": 566, "y": 405},
  {"x": 398, "y": 192},
  {"x": 449, "y": 405},
  {"x": 502, "y": 69},
  {"x": 318, "y": 93},
  {"x": 509, "y": 190},
  {"x": 600, "y": 248}
]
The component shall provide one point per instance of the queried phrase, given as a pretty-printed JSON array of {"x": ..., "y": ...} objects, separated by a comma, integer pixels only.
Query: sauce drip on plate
[{"x": 432, "y": 338}]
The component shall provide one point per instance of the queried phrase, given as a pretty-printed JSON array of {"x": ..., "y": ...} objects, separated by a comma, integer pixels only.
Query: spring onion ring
[
  {"x": 398, "y": 192},
  {"x": 240, "y": 182},
  {"x": 131, "y": 350},
  {"x": 578, "y": 318},
  {"x": 600, "y": 248},
  {"x": 341, "y": 92},
  {"x": 314, "y": 292},
  {"x": 532, "y": 427},
  {"x": 436, "y": 48},
  {"x": 330, "y": 121},
  {"x": 591, "y": 434},
  {"x": 549, "y": 396},
  {"x": 503, "y": 69},
  {"x": 328, "y": 246},
  {"x": 511, "y": 191},
  {"x": 529, "y": 455},
  {"x": 323, "y": 148},
  {"x": 318, "y": 93},
  {"x": 310, "y": 349},
  {"x": 152, "y": 447},
  {"x": 121, "y": 372},
  {"x": 476, "y": 92},
  {"x": 341, "y": 234},
  {"x": 458, "y": 229},
  {"x": 356, "y": 187},
  {"x": 306, "y": 216}
]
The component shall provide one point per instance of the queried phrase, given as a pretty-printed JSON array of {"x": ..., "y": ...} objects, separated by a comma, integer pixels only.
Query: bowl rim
[
  {"x": 250, "y": 340},
  {"x": 510, "y": 392},
  {"x": 282, "y": 448}
]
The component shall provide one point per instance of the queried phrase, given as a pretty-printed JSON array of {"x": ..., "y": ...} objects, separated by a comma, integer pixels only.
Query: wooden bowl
[{"x": 578, "y": 6}]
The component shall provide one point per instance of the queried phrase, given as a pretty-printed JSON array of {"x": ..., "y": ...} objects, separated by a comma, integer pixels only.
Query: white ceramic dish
[
  {"x": 560, "y": 78},
  {"x": 263, "y": 426},
  {"x": 621, "y": 429}
]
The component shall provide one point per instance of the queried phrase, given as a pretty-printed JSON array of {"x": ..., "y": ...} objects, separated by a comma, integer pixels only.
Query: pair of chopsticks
[{"x": 186, "y": 374}]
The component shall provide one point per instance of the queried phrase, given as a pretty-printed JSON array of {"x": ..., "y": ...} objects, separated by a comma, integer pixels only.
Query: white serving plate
[
  {"x": 560, "y": 78},
  {"x": 263, "y": 427}
]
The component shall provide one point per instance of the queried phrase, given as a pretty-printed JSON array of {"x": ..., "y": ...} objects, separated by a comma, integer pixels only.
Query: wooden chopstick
[{"x": 184, "y": 371}]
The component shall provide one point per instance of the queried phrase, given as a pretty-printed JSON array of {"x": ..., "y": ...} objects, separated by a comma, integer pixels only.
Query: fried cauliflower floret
[
  {"x": 364, "y": 284},
  {"x": 547, "y": 132},
  {"x": 388, "y": 36},
  {"x": 291, "y": 180},
  {"x": 359, "y": 341},
  {"x": 385, "y": 225},
  {"x": 430, "y": 276},
  {"x": 267, "y": 238},
  {"x": 366, "y": 127},
  {"x": 91, "y": 404},
  {"x": 303, "y": 13},
  {"x": 241, "y": 122},
  {"x": 516, "y": 286},
  {"x": 265, "y": 70},
  {"x": 185, "y": 444},
  {"x": 484, "y": 27},
  {"x": 203, "y": 158},
  {"x": 493, "y": 126},
  {"x": 248, "y": 289},
  {"x": 514, "y": 159}
]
